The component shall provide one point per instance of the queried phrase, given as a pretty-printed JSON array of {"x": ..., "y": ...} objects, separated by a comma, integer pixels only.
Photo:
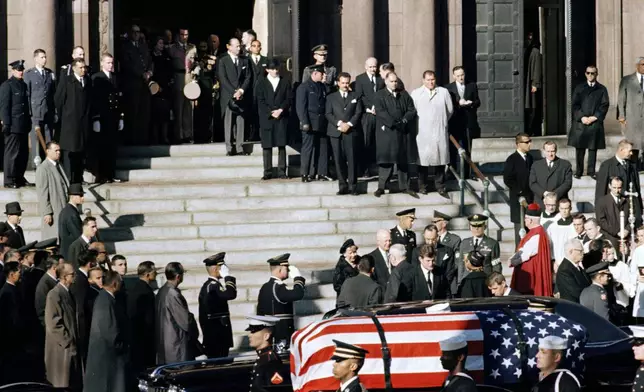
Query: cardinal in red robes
[{"x": 532, "y": 266}]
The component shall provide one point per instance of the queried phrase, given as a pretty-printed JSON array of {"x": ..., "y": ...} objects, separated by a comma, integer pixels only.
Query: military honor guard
[
  {"x": 275, "y": 299},
  {"x": 320, "y": 54},
  {"x": 402, "y": 233},
  {"x": 595, "y": 297},
  {"x": 446, "y": 238},
  {"x": 214, "y": 316},
  {"x": 553, "y": 378},
  {"x": 14, "y": 116},
  {"x": 480, "y": 242},
  {"x": 268, "y": 369},
  {"x": 453, "y": 358},
  {"x": 348, "y": 362},
  {"x": 41, "y": 87}
]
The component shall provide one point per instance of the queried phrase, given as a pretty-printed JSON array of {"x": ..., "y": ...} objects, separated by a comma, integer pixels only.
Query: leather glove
[
  {"x": 224, "y": 271},
  {"x": 294, "y": 271},
  {"x": 96, "y": 127},
  {"x": 121, "y": 124}
]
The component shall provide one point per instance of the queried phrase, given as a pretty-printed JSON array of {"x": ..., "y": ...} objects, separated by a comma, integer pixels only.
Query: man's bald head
[
  {"x": 371, "y": 66},
  {"x": 383, "y": 239}
]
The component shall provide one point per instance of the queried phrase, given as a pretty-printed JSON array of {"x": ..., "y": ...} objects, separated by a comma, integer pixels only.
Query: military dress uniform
[
  {"x": 109, "y": 112},
  {"x": 449, "y": 240},
  {"x": 485, "y": 245},
  {"x": 595, "y": 297},
  {"x": 561, "y": 380},
  {"x": 41, "y": 87},
  {"x": 268, "y": 368},
  {"x": 406, "y": 237},
  {"x": 343, "y": 352},
  {"x": 458, "y": 381},
  {"x": 14, "y": 114},
  {"x": 214, "y": 315},
  {"x": 275, "y": 299},
  {"x": 331, "y": 73}
]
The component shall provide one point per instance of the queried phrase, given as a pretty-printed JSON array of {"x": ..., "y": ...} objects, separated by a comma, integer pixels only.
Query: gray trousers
[
  {"x": 234, "y": 126},
  {"x": 386, "y": 171}
]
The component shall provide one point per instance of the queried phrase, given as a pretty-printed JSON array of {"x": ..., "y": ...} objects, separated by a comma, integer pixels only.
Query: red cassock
[{"x": 534, "y": 277}]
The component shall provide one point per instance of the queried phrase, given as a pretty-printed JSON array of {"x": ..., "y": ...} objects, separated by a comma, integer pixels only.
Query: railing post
[
  {"x": 486, "y": 202},
  {"x": 461, "y": 181}
]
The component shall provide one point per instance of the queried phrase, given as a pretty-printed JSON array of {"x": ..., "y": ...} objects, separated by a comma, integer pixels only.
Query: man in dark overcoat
[
  {"x": 140, "y": 311},
  {"x": 621, "y": 165},
  {"x": 273, "y": 95},
  {"x": 70, "y": 226},
  {"x": 343, "y": 114},
  {"x": 395, "y": 135},
  {"x": 589, "y": 107},
  {"x": 516, "y": 173},
  {"x": 366, "y": 86},
  {"x": 73, "y": 103},
  {"x": 12, "y": 325},
  {"x": 258, "y": 64},
  {"x": 608, "y": 208},
  {"x": 14, "y": 116},
  {"x": 108, "y": 357},
  {"x": 463, "y": 124}
]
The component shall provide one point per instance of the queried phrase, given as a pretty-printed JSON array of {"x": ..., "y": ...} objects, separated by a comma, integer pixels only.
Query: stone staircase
[{"x": 185, "y": 203}]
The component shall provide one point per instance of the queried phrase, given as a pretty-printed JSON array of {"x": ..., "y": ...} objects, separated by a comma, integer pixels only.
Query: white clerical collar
[{"x": 346, "y": 384}]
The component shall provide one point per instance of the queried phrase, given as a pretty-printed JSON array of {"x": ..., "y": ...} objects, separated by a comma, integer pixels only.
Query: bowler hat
[{"x": 76, "y": 190}]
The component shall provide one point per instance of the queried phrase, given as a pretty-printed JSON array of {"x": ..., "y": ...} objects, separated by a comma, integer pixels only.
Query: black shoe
[
  {"x": 577, "y": 176},
  {"x": 593, "y": 176},
  {"x": 266, "y": 177},
  {"x": 306, "y": 179},
  {"x": 379, "y": 192},
  {"x": 355, "y": 192},
  {"x": 245, "y": 153},
  {"x": 11, "y": 186},
  {"x": 323, "y": 178},
  {"x": 231, "y": 154},
  {"x": 423, "y": 190},
  {"x": 283, "y": 177},
  {"x": 27, "y": 183},
  {"x": 411, "y": 193},
  {"x": 343, "y": 191},
  {"x": 444, "y": 193}
]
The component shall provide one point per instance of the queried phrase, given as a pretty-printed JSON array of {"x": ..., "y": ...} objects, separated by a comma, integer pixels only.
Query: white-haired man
[
  {"x": 400, "y": 284},
  {"x": 381, "y": 257},
  {"x": 571, "y": 278}
]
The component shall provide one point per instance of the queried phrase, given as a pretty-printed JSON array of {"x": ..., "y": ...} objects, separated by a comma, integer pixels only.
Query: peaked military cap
[
  {"x": 217, "y": 259},
  {"x": 553, "y": 343},
  {"x": 346, "y": 245},
  {"x": 533, "y": 210},
  {"x": 27, "y": 246},
  {"x": 408, "y": 212},
  {"x": 18, "y": 65},
  {"x": 439, "y": 215},
  {"x": 13, "y": 208},
  {"x": 279, "y": 260},
  {"x": 317, "y": 68},
  {"x": 321, "y": 49},
  {"x": 453, "y": 343},
  {"x": 76, "y": 190},
  {"x": 477, "y": 219},
  {"x": 347, "y": 351},
  {"x": 48, "y": 244},
  {"x": 597, "y": 268},
  {"x": 257, "y": 323}
]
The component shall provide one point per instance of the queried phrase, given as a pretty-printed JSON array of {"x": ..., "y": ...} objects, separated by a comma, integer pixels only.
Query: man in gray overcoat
[
  {"x": 589, "y": 108},
  {"x": 62, "y": 363},
  {"x": 108, "y": 355},
  {"x": 51, "y": 185},
  {"x": 172, "y": 324},
  {"x": 630, "y": 106}
]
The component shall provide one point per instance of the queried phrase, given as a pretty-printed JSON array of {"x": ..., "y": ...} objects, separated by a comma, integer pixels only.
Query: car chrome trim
[{"x": 214, "y": 361}]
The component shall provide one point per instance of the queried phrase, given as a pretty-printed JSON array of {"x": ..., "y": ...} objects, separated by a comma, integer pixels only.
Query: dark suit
[
  {"x": 474, "y": 285},
  {"x": 440, "y": 285},
  {"x": 79, "y": 290},
  {"x": 181, "y": 106},
  {"x": 41, "y": 88},
  {"x": 140, "y": 311},
  {"x": 13, "y": 328},
  {"x": 44, "y": 286},
  {"x": 310, "y": 104},
  {"x": 16, "y": 238},
  {"x": 558, "y": 179},
  {"x": 14, "y": 114},
  {"x": 366, "y": 91},
  {"x": 607, "y": 213},
  {"x": 381, "y": 272},
  {"x": 463, "y": 124},
  {"x": 135, "y": 62},
  {"x": 444, "y": 262},
  {"x": 360, "y": 291},
  {"x": 70, "y": 228},
  {"x": 106, "y": 96},
  {"x": 571, "y": 281},
  {"x": 612, "y": 168},
  {"x": 409, "y": 240},
  {"x": 516, "y": 176},
  {"x": 344, "y": 145},
  {"x": 273, "y": 131},
  {"x": 75, "y": 249},
  {"x": 231, "y": 78},
  {"x": 400, "y": 285}
]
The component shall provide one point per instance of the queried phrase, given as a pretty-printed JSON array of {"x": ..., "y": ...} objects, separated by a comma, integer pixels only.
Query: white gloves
[
  {"x": 121, "y": 125},
  {"x": 201, "y": 358},
  {"x": 224, "y": 271},
  {"x": 96, "y": 127},
  {"x": 294, "y": 271}
]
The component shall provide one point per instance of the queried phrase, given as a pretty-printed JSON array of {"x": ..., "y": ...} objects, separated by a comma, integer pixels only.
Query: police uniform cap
[
  {"x": 346, "y": 245},
  {"x": 347, "y": 351},
  {"x": 439, "y": 215},
  {"x": 408, "y": 212},
  {"x": 279, "y": 260},
  {"x": 257, "y": 323},
  {"x": 320, "y": 49},
  {"x": 533, "y": 210},
  {"x": 76, "y": 190},
  {"x": 317, "y": 68},
  {"x": 476, "y": 259},
  {"x": 553, "y": 343},
  {"x": 217, "y": 259},
  {"x": 477, "y": 219},
  {"x": 47, "y": 244},
  {"x": 18, "y": 65},
  {"x": 454, "y": 343},
  {"x": 27, "y": 246},
  {"x": 597, "y": 268}
]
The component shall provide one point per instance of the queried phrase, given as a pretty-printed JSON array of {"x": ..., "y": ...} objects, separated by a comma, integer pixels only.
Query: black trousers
[
  {"x": 268, "y": 161},
  {"x": 345, "y": 162},
  {"x": 592, "y": 159},
  {"x": 387, "y": 170},
  {"x": 104, "y": 146},
  {"x": 438, "y": 173},
  {"x": 463, "y": 138},
  {"x": 16, "y": 156},
  {"x": 368, "y": 150},
  {"x": 137, "y": 99},
  {"x": 74, "y": 165},
  {"x": 315, "y": 154}
]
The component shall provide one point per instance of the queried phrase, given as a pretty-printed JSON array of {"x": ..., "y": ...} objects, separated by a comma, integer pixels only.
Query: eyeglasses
[
  {"x": 526, "y": 141},
  {"x": 591, "y": 73}
]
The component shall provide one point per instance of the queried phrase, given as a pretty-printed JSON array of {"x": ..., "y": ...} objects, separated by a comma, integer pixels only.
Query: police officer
[
  {"x": 348, "y": 362},
  {"x": 109, "y": 118},
  {"x": 214, "y": 316},
  {"x": 41, "y": 87},
  {"x": 453, "y": 357},
  {"x": 320, "y": 53},
  {"x": 552, "y": 378},
  {"x": 268, "y": 369},
  {"x": 402, "y": 233},
  {"x": 480, "y": 242},
  {"x": 446, "y": 238},
  {"x": 310, "y": 105},
  {"x": 14, "y": 114},
  {"x": 275, "y": 299},
  {"x": 594, "y": 297}
]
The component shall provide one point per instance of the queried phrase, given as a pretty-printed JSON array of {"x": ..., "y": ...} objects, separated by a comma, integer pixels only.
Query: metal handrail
[{"x": 462, "y": 182}]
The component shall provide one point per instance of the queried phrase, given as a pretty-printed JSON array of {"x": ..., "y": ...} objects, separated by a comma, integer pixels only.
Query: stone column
[
  {"x": 455, "y": 30},
  {"x": 260, "y": 24},
  {"x": 80, "y": 13},
  {"x": 40, "y": 16},
  {"x": 357, "y": 35},
  {"x": 418, "y": 49},
  {"x": 609, "y": 46}
]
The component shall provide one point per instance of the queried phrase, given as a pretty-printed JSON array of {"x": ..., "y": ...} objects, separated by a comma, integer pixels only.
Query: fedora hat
[{"x": 13, "y": 208}]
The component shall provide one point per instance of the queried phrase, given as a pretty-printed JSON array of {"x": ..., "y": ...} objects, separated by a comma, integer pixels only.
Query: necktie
[
  {"x": 476, "y": 243},
  {"x": 235, "y": 61},
  {"x": 642, "y": 82},
  {"x": 429, "y": 282},
  {"x": 373, "y": 82},
  {"x": 62, "y": 174}
]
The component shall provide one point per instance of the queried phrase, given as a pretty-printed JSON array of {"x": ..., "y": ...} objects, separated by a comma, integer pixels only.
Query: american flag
[{"x": 494, "y": 355}]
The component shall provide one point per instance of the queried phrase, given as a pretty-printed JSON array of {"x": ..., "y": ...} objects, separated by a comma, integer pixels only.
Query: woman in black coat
[
  {"x": 474, "y": 284},
  {"x": 346, "y": 266}
]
